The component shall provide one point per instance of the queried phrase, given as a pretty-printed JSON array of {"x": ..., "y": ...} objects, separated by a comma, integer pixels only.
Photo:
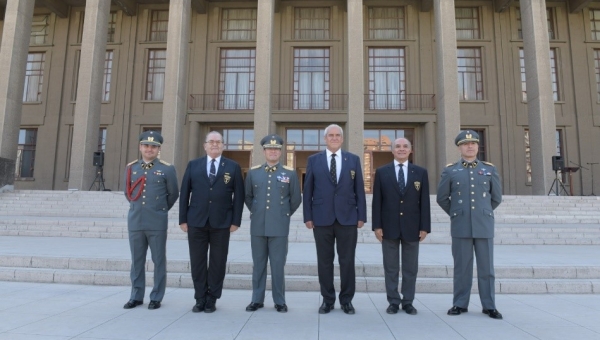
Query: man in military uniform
[
  {"x": 272, "y": 195},
  {"x": 151, "y": 189},
  {"x": 469, "y": 191}
]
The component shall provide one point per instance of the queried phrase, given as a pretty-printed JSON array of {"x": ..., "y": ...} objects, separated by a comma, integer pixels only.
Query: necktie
[
  {"x": 213, "y": 173},
  {"x": 401, "y": 182},
  {"x": 333, "y": 170}
]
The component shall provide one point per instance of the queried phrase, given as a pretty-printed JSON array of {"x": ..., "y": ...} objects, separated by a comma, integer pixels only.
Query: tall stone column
[
  {"x": 448, "y": 117},
  {"x": 13, "y": 60},
  {"x": 176, "y": 78},
  {"x": 89, "y": 94},
  {"x": 540, "y": 101},
  {"x": 430, "y": 164},
  {"x": 262, "y": 83},
  {"x": 356, "y": 82}
]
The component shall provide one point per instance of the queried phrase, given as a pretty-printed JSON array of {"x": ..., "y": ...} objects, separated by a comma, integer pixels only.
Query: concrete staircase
[{"x": 64, "y": 217}]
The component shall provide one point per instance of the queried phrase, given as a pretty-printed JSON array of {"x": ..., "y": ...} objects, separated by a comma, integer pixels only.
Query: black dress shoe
[
  {"x": 281, "y": 308},
  {"x": 154, "y": 305},
  {"x": 199, "y": 306},
  {"x": 211, "y": 305},
  {"x": 493, "y": 313},
  {"x": 132, "y": 304},
  {"x": 409, "y": 309},
  {"x": 253, "y": 306},
  {"x": 348, "y": 308},
  {"x": 326, "y": 308},
  {"x": 392, "y": 308},
  {"x": 455, "y": 310}
]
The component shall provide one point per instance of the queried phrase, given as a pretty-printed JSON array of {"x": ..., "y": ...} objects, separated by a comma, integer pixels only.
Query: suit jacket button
[
  {"x": 401, "y": 201},
  {"x": 401, "y": 214}
]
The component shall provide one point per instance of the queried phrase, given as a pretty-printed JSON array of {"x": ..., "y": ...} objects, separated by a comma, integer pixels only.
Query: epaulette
[
  {"x": 132, "y": 163},
  {"x": 487, "y": 163},
  {"x": 165, "y": 163},
  {"x": 256, "y": 167},
  {"x": 449, "y": 165},
  {"x": 288, "y": 168}
]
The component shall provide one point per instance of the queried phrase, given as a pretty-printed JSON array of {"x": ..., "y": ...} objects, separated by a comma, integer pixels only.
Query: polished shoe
[
  {"x": 199, "y": 306},
  {"x": 154, "y": 305},
  {"x": 211, "y": 305},
  {"x": 326, "y": 308},
  {"x": 348, "y": 308},
  {"x": 253, "y": 306},
  {"x": 409, "y": 309},
  {"x": 392, "y": 308},
  {"x": 281, "y": 308},
  {"x": 455, "y": 310},
  {"x": 132, "y": 304},
  {"x": 493, "y": 313}
]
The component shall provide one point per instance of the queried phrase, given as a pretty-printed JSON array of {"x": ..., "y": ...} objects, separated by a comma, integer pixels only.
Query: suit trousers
[
  {"x": 344, "y": 237},
  {"x": 273, "y": 249},
  {"x": 391, "y": 267},
  {"x": 139, "y": 241},
  {"x": 462, "y": 251},
  {"x": 210, "y": 244}
]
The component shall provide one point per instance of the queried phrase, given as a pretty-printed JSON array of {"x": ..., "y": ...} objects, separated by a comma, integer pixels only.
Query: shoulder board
[
  {"x": 256, "y": 167},
  {"x": 132, "y": 162},
  {"x": 449, "y": 165},
  {"x": 288, "y": 168},
  {"x": 165, "y": 163},
  {"x": 487, "y": 163}
]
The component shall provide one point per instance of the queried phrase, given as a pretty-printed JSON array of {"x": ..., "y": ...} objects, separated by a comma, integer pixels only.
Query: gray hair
[
  {"x": 332, "y": 126},
  {"x": 213, "y": 133}
]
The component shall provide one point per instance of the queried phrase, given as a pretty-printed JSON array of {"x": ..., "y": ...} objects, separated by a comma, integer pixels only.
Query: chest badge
[
  {"x": 352, "y": 174},
  {"x": 417, "y": 185},
  {"x": 226, "y": 177}
]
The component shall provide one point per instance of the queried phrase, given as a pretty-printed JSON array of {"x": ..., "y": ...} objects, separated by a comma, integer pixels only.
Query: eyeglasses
[{"x": 214, "y": 142}]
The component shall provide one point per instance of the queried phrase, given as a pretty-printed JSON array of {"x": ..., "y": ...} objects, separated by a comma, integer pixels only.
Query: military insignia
[
  {"x": 288, "y": 168},
  {"x": 135, "y": 172},
  {"x": 165, "y": 163},
  {"x": 352, "y": 174},
  {"x": 487, "y": 163},
  {"x": 159, "y": 173},
  {"x": 255, "y": 167},
  {"x": 469, "y": 136},
  {"x": 227, "y": 177},
  {"x": 417, "y": 185},
  {"x": 282, "y": 178}
]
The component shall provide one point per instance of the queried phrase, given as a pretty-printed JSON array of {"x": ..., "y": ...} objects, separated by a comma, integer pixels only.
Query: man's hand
[
  {"x": 184, "y": 227},
  {"x": 309, "y": 224},
  {"x": 422, "y": 235},
  {"x": 360, "y": 224},
  {"x": 233, "y": 228},
  {"x": 379, "y": 234}
]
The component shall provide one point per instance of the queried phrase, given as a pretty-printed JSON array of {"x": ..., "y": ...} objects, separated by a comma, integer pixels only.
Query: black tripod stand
[
  {"x": 99, "y": 180},
  {"x": 558, "y": 186},
  {"x": 592, "y": 172}
]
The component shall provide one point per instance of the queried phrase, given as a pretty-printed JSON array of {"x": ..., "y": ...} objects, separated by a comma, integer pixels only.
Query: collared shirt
[
  {"x": 338, "y": 161},
  {"x": 404, "y": 169},
  {"x": 217, "y": 161}
]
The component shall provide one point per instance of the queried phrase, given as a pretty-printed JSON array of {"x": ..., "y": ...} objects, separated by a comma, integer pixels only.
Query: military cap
[
  {"x": 466, "y": 136},
  {"x": 151, "y": 138},
  {"x": 272, "y": 142}
]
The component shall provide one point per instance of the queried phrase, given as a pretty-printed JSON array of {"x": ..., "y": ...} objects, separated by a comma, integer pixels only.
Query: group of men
[{"x": 213, "y": 193}]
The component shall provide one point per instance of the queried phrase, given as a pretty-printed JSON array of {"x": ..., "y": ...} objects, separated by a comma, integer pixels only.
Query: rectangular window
[
  {"x": 112, "y": 26},
  {"x": 311, "y": 79},
  {"x": 34, "y": 77},
  {"x": 553, "y": 74},
  {"x": 25, "y": 161},
  {"x": 238, "y": 139},
  {"x": 236, "y": 79},
  {"x": 108, "y": 62},
  {"x": 597, "y": 67},
  {"x": 550, "y": 22},
  {"x": 102, "y": 139},
  {"x": 155, "y": 74},
  {"x": 595, "y": 23},
  {"x": 311, "y": 23},
  {"x": 386, "y": 23},
  {"x": 387, "y": 79},
  {"x": 470, "y": 74},
  {"x": 467, "y": 23},
  {"x": 39, "y": 29},
  {"x": 238, "y": 24},
  {"x": 159, "y": 23}
]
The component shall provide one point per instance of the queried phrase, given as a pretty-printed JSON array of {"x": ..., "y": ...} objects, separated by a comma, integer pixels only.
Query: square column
[
  {"x": 13, "y": 61},
  {"x": 540, "y": 101},
  {"x": 262, "y": 78},
  {"x": 448, "y": 116},
  {"x": 89, "y": 94},
  {"x": 176, "y": 78},
  {"x": 353, "y": 132}
]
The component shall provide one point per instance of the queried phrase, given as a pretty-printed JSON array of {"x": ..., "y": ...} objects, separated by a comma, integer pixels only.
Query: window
[
  {"x": 39, "y": 29},
  {"x": 553, "y": 74},
  {"x": 559, "y": 150},
  {"x": 597, "y": 67},
  {"x": 108, "y": 61},
  {"x": 112, "y": 26},
  {"x": 470, "y": 74},
  {"x": 311, "y": 79},
  {"x": 386, "y": 23},
  {"x": 34, "y": 77},
  {"x": 238, "y": 24},
  {"x": 101, "y": 147},
  {"x": 550, "y": 21},
  {"x": 467, "y": 23},
  {"x": 378, "y": 146},
  {"x": 155, "y": 75},
  {"x": 387, "y": 79},
  {"x": 159, "y": 23},
  {"x": 236, "y": 79},
  {"x": 595, "y": 23},
  {"x": 238, "y": 139},
  {"x": 102, "y": 139},
  {"x": 311, "y": 23},
  {"x": 482, "y": 154},
  {"x": 303, "y": 140},
  {"x": 26, "y": 153}
]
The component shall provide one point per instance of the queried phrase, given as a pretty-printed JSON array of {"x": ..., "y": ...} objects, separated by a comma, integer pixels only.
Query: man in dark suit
[
  {"x": 335, "y": 206},
  {"x": 210, "y": 209},
  {"x": 401, "y": 216}
]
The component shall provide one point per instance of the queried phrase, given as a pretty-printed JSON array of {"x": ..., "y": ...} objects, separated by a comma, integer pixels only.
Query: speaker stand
[
  {"x": 557, "y": 186},
  {"x": 99, "y": 180}
]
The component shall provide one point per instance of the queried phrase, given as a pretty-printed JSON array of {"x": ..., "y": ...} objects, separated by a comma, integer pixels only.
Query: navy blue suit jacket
[
  {"x": 401, "y": 215},
  {"x": 219, "y": 205},
  {"x": 324, "y": 202}
]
